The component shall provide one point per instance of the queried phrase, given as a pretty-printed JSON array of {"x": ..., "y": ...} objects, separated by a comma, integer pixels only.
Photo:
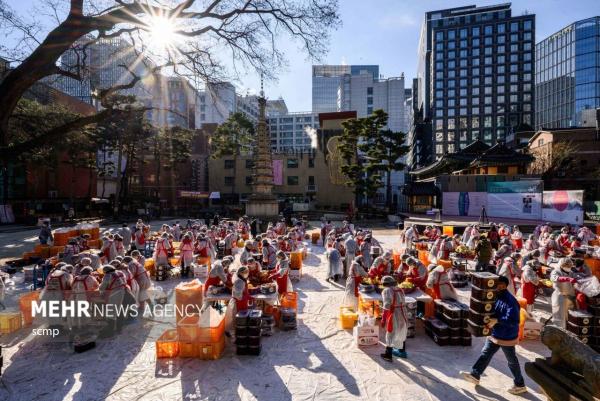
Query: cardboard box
[
  {"x": 366, "y": 335},
  {"x": 532, "y": 330}
]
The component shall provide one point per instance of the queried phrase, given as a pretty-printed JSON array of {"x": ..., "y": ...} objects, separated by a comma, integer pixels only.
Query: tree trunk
[
  {"x": 117, "y": 205},
  {"x": 388, "y": 191}
]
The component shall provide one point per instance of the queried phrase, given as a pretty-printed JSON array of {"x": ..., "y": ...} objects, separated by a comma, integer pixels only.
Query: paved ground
[{"x": 317, "y": 362}]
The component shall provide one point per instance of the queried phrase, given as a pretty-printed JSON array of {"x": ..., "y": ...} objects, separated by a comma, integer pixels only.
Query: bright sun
[{"x": 162, "y": 32}]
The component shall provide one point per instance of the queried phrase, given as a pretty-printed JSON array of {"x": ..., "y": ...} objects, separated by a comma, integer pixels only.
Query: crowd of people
[{"x": 116, "y": 273}]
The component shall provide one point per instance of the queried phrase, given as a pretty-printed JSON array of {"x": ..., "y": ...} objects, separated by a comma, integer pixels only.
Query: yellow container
[
  {"x": 25, "y": 306},
  {"x": 9, "y": 322},
  {"x": 295, "y": 260},
  {"x": 448, "y": 230},
  {"x": 348, "y": 317}
]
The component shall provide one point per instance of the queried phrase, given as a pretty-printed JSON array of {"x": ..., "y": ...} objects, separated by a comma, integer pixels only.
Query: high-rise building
[
  {"x": 326, "y": 81},
  {"x": 475, "y": 75},
  {"x": 276, "y": 107},
  {"x": 293, "y": 131},
  {"x": 567, "y": 75},
  {"x": 215, "y": 103}
]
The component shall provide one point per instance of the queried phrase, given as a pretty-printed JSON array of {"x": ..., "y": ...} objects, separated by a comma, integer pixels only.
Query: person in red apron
[
  {"x": 281, "y": 275},
  {"x": 139, "y": 239},
  {"x": 141, "y": 277},
  {"x": 269, "y": 255},
  {"x": 161, "y": 251},
  {"x": 417, "y": 273},
  {"x": 402, "y": 271},
  {"x": 239, "y": 292},
  {"x": 517, "y": 238},
  {"x": 118, "y": 247},
  {"x": 217, "y": 274},
  {"x": 114, "y": 288},
  {"x": 186, "y": 258},
  {"x": 355, "y": 275},
  {"x": 382, "y": 266},
  {"x": 439, "y": 282},
  {"x": 254, "y": 269},
  {"x": 202, "y": 246},
  {"x": 509, "y": 270},
  {"x": 83, "y": 242},
  {"x": 529, "y": 282},
  {"x": 394, "y": 320}
]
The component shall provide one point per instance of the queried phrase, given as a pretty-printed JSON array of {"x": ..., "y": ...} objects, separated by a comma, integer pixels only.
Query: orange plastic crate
[
  {"x": 25, "y": 305},
  {"x": 295, "y": 260},
  {"x": 203, "y": 260},
  {"x": 446, "y": 263},
  {"x": 204, "y": 351},
  {"x": 9, "y": 322},
  {"x": 424, "y": 257},
  {"x": 289, "y": 300},
  {"x": 189, "y": 293},
  {"x": 211, "y": 326},
  {"x": 348, "y": 317},
  {"x": 167, "y": 345},
  {"x": 448, "y": 230},
  {"x": 187, "y": 329},
  {"x": 396, "y": 259},
  {"x": 315, "y": 237}
]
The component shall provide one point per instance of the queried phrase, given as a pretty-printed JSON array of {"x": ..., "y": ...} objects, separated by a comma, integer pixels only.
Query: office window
[
  {"x": 439, "y": 93},
  {"x": 228, "y": 164},
  {"x": 439, "y": 46},
  {"x": 439, "y": 136},
  {"x": 463, "y": 33},
  {"x": 527, "y": 36},
  {"x": 500, "y": 79},
  {"x": 451, "y": 34},
  {"x": 440, "y": 74},
  {"x": 501, "y": 28},
  {"x": 501, "y": 69},
  {"x": 463, "y": 45},
  {"x": 514, "y": 37},
  {"x": 292, "y": 180},
  {"x": 311, "y": 162},
  {"x": 370, "y": 110},
  {"x": 248, "y": 180},
  {"x": 292, "y": 163},
  {"x": 514, "y": 27},
  {"x": 451, "y": 54},
  {"x": 451, "y": 93},
  {"x": 370, "y": 91},
  {"x": 527, "y": 25},
  {"x": 476, "y": 42},
  {"x": 487, "y": 41},
  {"x": 488, "y": 30},
  {"x": 475, "y": 52},
  {"x": 501, "y": 39},
  {"x": 249, "y": 163},
  {"x": 451, "y": 123},
  {"x": 475, "y": 31},
  {"x": 439, "y": 149},
  {"x": 229, "y": 181},
  {"x": 439, "y": 35}
]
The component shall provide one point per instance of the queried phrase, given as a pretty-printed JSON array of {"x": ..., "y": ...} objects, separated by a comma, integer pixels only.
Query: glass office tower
[
  {"x": 475, "y": 75},
  {"x": 326, "y": 81},
  {"x": 567, "y": 79}
]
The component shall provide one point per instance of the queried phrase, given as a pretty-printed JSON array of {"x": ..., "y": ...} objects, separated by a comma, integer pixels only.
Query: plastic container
[
  {"x": 211, "y": 326},
  {"x": 10, "y": 322},
  {"x": 296, "y": 260},
  {"x": 446, "y": 263},
  {"x": 61, "y": 236},
  {"x": 25, "y": 305},
  {"x": 448, "y": 230},
  {"x": 203, "y": 260},
  {"x": 174, "y": 261},
  {"x": 187, "y": 329},
  {"x": 396, "y": 259},
  {"x": 424, "y": 257},
  {"x": 189, "y": 293},
  {"x": 56, "y": 249},
  {"x": 348, "y": 318},
  {"x": 289, "y": 300},
  {"x": 204, "y": 351},
  {"x": 167, "y": 345},
  {"x": 314, "y": 237}
]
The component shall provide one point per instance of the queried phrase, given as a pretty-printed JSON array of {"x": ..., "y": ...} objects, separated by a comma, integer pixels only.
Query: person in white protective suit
[
  {"x": 394, "y": 320},
  {"x": 161, "y": 250},
  {"x": 118, "y": 246},
  {"x": 466, "y": 234},
  {"x": 83, "y": 289},
  {"x": 125, "y": 233},
  {"x": 186, "y": 254},
  {"x": 268, "y": 255},
  {"x": 410, "y": 235},
  {"x": 563, "y": 297},
  {"x": 435, "y": 248},
  {"x": 529, "y": 283},
  {"x": 281, "y": 274},
  {"x": 247, "y": 252},
  {"x": 114, "y": 289},
  {"x": 240, "y": 297},
  {"x": 355, "y": 274},
  {"x": 509, "y": 270},
  {"x": 334, "y": 268},
  {"x": 439, "y": 281},
  {"x": 365, "y": 251},
  {"x": 141, "y": 277},
  {"x": 351, "y": 247}
]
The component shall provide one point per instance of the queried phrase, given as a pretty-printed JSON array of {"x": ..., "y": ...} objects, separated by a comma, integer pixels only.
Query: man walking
[{"x": 504, "y": 323}]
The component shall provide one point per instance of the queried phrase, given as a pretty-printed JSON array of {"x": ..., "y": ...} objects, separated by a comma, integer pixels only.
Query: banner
[
  {"x": 193, "y": 194},
  {"x": 463, "y": 203},
  {"x": 278, "y": 172},
  {"x": 563, "y": 207},
  {"x": 515, "y": 199}
]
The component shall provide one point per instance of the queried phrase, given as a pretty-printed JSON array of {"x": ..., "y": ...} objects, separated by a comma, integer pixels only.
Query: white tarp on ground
[{"x": 317, "y": 362}]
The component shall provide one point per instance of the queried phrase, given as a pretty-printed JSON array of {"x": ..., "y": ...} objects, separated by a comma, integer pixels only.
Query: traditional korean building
[{"x": 472, "y": 166}]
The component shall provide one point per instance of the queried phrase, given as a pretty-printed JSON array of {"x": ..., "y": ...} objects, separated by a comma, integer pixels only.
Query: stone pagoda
[{"x": 262, "y": 203}]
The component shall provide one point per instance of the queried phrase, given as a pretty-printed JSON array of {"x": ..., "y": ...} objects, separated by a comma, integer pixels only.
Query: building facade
[
  {"x": 567, "y": 75},
  {"x": 292, "y": 131},
  {"x": 475, "y": 75},
  {"x": 326, "y": 82}
]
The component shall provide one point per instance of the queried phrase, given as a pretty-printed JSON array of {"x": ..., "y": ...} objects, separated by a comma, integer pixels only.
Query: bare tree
[
  {"x": 214, "y": 39},
  {"x": 552, "y": 159}
]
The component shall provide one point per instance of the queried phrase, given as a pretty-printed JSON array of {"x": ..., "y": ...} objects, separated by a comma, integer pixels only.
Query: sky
[{"x": 386, "y": 32}]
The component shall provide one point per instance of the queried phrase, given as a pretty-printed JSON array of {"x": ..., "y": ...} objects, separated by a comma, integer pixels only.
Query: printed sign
[
  {"x": 463, "y": 203},
  {"x": 563, "y": 207},
  {"x": 278, "y": 172}
]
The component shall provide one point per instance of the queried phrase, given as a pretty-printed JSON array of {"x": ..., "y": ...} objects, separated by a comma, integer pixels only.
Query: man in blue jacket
[{"x": 505, "y": 334}]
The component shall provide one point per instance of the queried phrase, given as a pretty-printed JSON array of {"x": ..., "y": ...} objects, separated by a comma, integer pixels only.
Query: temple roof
[{"x": 476, "y": 154}]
